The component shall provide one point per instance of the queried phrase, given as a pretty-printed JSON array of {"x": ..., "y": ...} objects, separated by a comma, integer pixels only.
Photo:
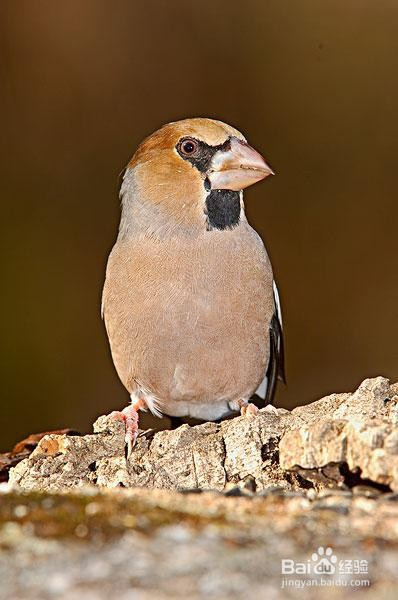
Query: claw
[
  {"x": 129, "y": 447},
  {"x": 131, "y": 439},
  {"x": 130, "y": 417}
]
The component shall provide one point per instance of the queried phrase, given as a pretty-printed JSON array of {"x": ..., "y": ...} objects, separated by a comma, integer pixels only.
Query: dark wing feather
[{"x": 276, "y": 364}]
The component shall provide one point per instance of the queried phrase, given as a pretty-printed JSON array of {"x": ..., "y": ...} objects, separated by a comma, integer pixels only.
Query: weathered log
[{"x": 339, "y": 441}]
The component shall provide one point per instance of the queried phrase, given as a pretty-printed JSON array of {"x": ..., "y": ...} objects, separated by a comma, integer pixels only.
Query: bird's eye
[{"x": 188, "y": 146}]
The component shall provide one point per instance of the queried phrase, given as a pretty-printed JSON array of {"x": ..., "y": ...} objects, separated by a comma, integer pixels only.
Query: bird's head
[{"x": 190, "y": 174}]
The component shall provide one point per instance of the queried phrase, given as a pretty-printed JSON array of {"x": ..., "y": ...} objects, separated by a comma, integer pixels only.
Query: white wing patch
[
  {"x": 277, "y": 302},
  {"x": 262, "y": 388}
]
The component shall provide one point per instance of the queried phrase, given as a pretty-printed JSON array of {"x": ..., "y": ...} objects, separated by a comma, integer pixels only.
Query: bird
[{"x": 190, "y": 304}]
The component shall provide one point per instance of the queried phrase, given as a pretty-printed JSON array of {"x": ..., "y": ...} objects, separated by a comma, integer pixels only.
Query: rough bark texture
[
  {"x": 340, "y": 440},
  {"x": 291, "y": 485}
]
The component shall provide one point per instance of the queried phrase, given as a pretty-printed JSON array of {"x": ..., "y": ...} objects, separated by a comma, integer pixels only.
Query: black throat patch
[{"x": 222, "y": 209}]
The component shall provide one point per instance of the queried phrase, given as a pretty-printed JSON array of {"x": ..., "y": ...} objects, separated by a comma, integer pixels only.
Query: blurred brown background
[{"x": 312, "y": 84}]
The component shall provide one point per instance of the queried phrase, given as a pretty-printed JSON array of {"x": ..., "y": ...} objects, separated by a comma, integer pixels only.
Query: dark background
[{"x": 313, "y": 85}]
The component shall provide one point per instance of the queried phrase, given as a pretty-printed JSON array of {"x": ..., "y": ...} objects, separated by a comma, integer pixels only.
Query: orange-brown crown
[{"x": 166, "y": 138}]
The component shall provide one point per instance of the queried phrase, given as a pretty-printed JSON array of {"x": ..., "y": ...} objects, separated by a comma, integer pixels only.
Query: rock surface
[
  {"x": 339, "y": 441},
  {"x": 319, "y": 481}
]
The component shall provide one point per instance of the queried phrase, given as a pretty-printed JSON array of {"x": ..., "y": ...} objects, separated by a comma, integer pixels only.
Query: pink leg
[
  {"x": 130, "y": 416},
  {"x": 248, "y": 409}
]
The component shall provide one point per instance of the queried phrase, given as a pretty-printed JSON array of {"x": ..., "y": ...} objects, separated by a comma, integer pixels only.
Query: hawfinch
[{"x": 189, "y": 302}]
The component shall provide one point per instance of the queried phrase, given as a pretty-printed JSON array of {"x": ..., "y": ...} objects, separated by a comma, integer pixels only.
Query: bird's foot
[
  {"x": 130, "y": 417},
  {"x": 248, "y": 409}
]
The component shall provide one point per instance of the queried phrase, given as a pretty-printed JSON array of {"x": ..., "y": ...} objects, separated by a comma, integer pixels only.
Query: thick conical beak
[{"x": 237, "y": 168}]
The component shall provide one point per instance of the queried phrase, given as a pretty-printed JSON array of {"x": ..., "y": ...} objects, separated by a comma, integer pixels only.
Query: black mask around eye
[{"x": 198, "y": 153}]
